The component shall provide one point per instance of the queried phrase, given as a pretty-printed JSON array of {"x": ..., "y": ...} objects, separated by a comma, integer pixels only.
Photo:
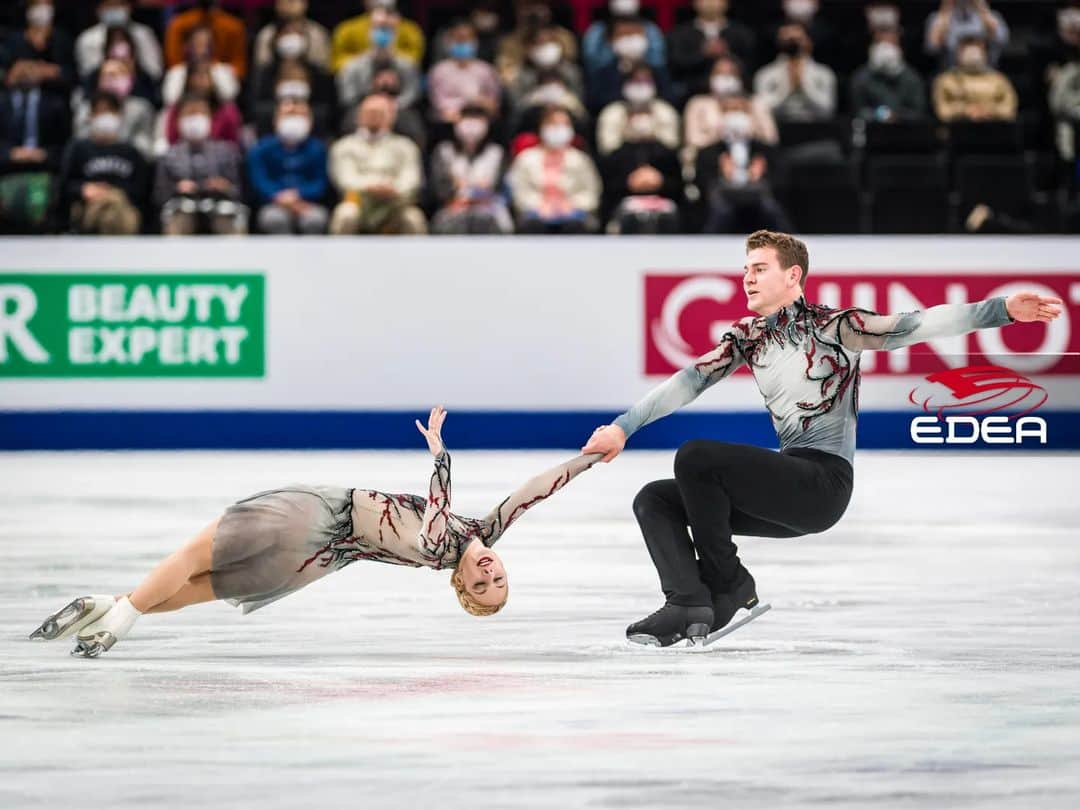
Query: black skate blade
[{"x": 756, "y": 611}]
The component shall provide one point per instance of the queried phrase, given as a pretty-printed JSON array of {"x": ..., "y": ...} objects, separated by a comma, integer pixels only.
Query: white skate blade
[
  {"x": 731, "y": 628},
  {"x": 73, "y": 617}
]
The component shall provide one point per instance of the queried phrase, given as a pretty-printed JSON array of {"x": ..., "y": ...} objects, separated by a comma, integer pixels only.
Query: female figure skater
[{"x": 271, "y": 544}]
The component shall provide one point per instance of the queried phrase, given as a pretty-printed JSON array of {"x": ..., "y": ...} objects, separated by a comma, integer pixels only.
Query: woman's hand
[
  {"x": 433, "y": 432},
  {"x": 1026, "y": 307}
]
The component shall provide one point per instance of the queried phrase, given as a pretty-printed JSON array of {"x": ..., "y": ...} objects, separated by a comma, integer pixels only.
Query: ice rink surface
[{"x": 924, "y": 653}]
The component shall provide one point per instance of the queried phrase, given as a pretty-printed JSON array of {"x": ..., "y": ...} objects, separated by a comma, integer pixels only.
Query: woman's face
[{"x": 483, "y": 574}]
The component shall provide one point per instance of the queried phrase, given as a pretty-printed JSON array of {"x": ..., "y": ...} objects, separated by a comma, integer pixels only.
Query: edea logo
[{"x": 960, "y": 400}]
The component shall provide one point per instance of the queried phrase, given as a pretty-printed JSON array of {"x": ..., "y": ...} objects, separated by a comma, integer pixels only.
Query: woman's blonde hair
[{"x": 468, "y": 602}]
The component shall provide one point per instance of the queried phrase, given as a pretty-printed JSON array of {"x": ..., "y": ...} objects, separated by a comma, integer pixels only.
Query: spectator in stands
[
  {"x": 974, "y": 91},
  {"x": 694, "y": 46},
  {"x": 34, "y": 129},
  {"x": 732, "y": 176},
  {"x": 225, "y": 118},
  {"x": 821, "y": 32},
  {"x": 551, "y": 91},
  {"x": 545, "y": 56},
  {"x": 462, "y": 79},
  {"x": 704, "y": 115},
  {"x": 136, "y": 114},
  {"x": 1064, "y": 102},
  {"x": 513, "y": 50},
  {"x": 310, "y": 42},
  {"x": 198, "y": 180},
  {"x": 600, "y": 49},
  {"x": 794, "y": 86},
  {"x": 639, "y": 103},
  {"x": 199, "y": 50},
  {"x": 486, "y": 20},
  {"x": 44, "y": 51},
  {"x": 408, "y": 120},
  {"x": 90, "y": 50},
  {"x": 466, "y": 172},
  {"x": 378, "y": 174},
  {"x": 355, "y": 78},
  {"x": 882, "y": 15},
  {"x": 643, "y": 180},
  {"x": 105, "y": 179},
  {"x": 555, "y": 187},
  {"x": 886, "y": 88},
  {"x": 230, "y": 36},
  {"x": 959, "y": 20},
  {"x": 1049, "y": 54},
  {"x": 121, "y": 45},
  {"x": 354, "y": 36},
  {"x": 287, "y": 171},
  {"x": 290, "y": 75},
  {"x": 628, "y": 45}
]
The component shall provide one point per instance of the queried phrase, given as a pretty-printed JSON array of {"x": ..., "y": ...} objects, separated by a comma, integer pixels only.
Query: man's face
[{"x": 768, "y": 286}]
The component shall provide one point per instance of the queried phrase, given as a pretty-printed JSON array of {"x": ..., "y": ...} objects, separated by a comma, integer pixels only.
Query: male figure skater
[{"x": 805, "y": 359}]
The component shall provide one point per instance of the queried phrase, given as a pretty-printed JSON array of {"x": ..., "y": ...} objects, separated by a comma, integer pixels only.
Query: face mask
[
  {"x": 118, "y": 85},
  {"x": 639, "y": 128},
  {"x": 883, "y": 17},
  {"x": 195, "y": 127},
  {"x": 790, "y": 47},
  {"x": 40, "y": 15},
  {"x": 471, "y": 130},
  {"x": 625, "y": 8},
  {"x": 556, "y": 136},
  {"x": 292, "y": 89},
  {"x": 381, "y": 37},
  {"x": 105, "y": 125},
  {"x": 885, "y": 57},
  {"x": 293, "y": 129},
  {"x": 291, "y": 46},
  {"x": 463, "y": 50},
  {"x": 801, "y": 10},
  {"x": 121, "y": 50},
  {"x": 724, "y": 84},
  {"x": 546, "y": 55},
  {"x": 738, "y": 124},
  {"x": 639, "y": 92},
  {"x": 116, "y": 17},
  {"x": 631, "y": 46},
  {"x": 972, "y": 59}
]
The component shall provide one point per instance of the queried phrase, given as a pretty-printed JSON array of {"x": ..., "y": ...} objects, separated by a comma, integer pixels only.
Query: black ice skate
[
  {"x": 670, "y": 624},
  {"x": 742, "y": 593}
]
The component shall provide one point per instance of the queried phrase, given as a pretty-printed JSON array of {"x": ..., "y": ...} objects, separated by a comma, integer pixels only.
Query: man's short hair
[{"x": 789, "y": 250}]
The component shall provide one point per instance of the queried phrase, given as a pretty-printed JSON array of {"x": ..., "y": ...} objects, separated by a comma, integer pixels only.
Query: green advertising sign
[{"x": 132, "y": 325}]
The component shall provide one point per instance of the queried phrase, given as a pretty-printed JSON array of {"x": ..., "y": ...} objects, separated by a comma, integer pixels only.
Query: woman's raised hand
[{"x": 433, "y": 431}]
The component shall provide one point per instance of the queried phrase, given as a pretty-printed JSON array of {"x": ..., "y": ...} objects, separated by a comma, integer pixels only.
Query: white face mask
[
  {"x": 631, "y": 46},
  {"x": 471, "y": 130},
  {"x": 293, "y": 89},
  {"x": 886, "y": 57},
  {"x": 738, "y": 125},
  {"x": 293, "y": 129},
  {"x": 972, "y": 58},
  {"x": 625, "y": 8},
  {"x": 291, "y": 46},
  {"x": 105, "y": 125},
  {"x": 116, "y": 17},
  {"x": 883, "y": 17},
  {"x": 639, "y": 92},
  {"x": 195, "y": 127},
  {"x": 556, "y": 136},
  {"x": 546, "y": 55},
  {"x": 724, "y": 84},
  {"x": 801, "y": 10},
  {"x": 40, "y": 15}
]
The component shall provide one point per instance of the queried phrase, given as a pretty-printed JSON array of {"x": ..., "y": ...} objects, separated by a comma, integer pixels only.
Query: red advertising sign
[{"x": 685, "y": 315}]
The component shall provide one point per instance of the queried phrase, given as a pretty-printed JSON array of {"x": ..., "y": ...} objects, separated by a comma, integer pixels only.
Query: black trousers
[{"x": 722, "y": 489}]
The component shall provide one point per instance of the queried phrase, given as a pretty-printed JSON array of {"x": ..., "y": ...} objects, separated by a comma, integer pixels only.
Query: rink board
[{"x": 528, "y": 342}]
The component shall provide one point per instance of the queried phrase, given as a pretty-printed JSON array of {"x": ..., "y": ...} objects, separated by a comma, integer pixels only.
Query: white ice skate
[
  {"x": 102, "y": 635},
  {"x": 73, "y": 617}
]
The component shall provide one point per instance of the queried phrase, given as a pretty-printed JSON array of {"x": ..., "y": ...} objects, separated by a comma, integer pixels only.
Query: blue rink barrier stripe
[{"x": 394, "y": 430}]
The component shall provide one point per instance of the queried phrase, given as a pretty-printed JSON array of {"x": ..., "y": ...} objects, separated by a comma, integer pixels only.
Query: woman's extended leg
[
  {"x": 174, "y": 572},
  {"x": 194, "y": 592}
]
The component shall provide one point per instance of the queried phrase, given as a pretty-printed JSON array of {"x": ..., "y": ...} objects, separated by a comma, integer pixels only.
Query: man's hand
[
  {"x": 219, "y": 184},
  {"x": 609, "y": 440},
  {"x": 382, "y": 191},
  {"x": 287, "y": 198},
  {"x": 644, "y": 179},
  {"x": 93, "y": 191},
  {"x": 1027, "y": 307},
  {"x": 433, "y": 432}
]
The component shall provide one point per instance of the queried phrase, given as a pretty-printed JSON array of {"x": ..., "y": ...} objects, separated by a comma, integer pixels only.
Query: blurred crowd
[{"x": 379, "y": 117}]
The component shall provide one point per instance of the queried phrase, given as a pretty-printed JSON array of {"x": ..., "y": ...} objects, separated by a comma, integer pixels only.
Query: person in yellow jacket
[
  {"x": 354, "y": 36},
  {"x": 974, "y": 91}
]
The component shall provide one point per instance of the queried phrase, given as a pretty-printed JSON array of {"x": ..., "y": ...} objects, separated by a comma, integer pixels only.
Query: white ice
[{"x": 924, "y": 653}]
